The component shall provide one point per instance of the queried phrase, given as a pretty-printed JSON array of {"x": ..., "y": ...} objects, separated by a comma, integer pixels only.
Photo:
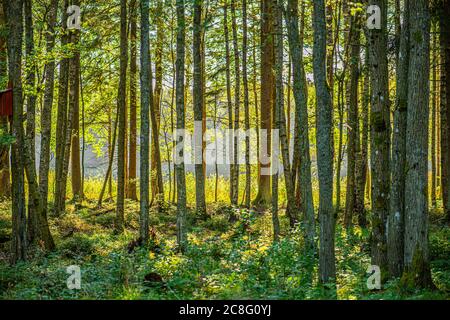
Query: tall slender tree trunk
[
  {"x": 438, "y": 119},
  {"x": 300, "y": 91},
  {"x": 237, "y": 102},
  {"x": 74, "y": 105},
  {"x": 417, "y": 264},
  {"x": 172, "y": 103},
  {"x": 198, "y": 109},
  {"x": 5, "y": 184},
  {"x": 145, "y": 123},
  {"x": 246, "y": 104},
  {"x": 277, "y": 110},
  {"x": 324, "y": 136},
  {"x": 267, "y": 99},
  {"x": 340, "y": 107},
  {"x": 228, "y": 85},
  {"x": 291, "y": 209},
  {"x": 395, "y": 231},
  {"x": 121, "y": 109},
  {"x": 46, "y": 114},
  {"x": 353, "y": 134},
  {"x": 380, "y": 138},
  {"x": 255, "y": 98},
  {"x": 31, "y": 107},
  {"x": 216, "y": 151},
  {"x": 111, "y": 148},
  {"x": 434, "y": 93},
  {"x": 14, "y": 20},
  {"x": 362, "y": 161},
  {"x": 181, "y": 177},
  {"x": 156, "y": 170},
  {"x": 61, "y": 122},
  {"x": 131, "y": 190}
]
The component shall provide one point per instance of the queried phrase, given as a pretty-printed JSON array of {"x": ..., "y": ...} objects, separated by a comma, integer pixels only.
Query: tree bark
[
  {"x": 46, "y": 115},
  {"x": 434, "y": 93},
  {"x": 417, "y": 271},
  {"x": 362, "y": 161},
  {"x": 327, "y": 268},
  {"x": 237, "y": 102},
  {"x": 246, "y": 104},
  {"x": 5, "y": 184},
  {"x": 74, "y": 105},
  {"x": 181, "y": 178},
  {"x": 395, "y": 230},
  {"x": 267, "y": 99},
  {"x": 14, "y": 18},
  {"x": 145, "y": 123},
  {"x": 228, "y": 88},
  {"x": 31, "y": 108},
  {"x": 380, "y": 138},
  {"x": 300, "y": 91},
  {"x": 121, "y": 109},
  {"x": 156, "y": 171},
  {"x": 61, "y": 122},
  {"x": 131, "y": 190},
  {"x": 198, "y": 109},
  {"x": 352, "y": 120}
]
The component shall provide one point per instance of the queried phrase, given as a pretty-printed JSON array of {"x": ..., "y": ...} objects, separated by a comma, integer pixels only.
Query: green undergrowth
[{"x": 224, "y": 260}]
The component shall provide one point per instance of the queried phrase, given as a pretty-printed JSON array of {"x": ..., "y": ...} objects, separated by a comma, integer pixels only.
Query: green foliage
[
  {"x": 224, "y": 260},
  {"x": 6, "y": 139}
]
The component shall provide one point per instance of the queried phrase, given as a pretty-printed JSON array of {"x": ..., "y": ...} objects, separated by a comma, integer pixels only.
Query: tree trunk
[
  {"x": 5, "y": 185},
  {"x": 121, "y": 109},
  {"x": 74, "y": 105},
  {"x": 145, "y": 123},
  {"x": 31, "y": 108},
  {"x": 276, "y": 120},
  {"x": 198, "y": 109},
  {"x": 300, "y": 91},
  {"x": 361, "y": 162},
  {"x": 237, "y": 93},
  {"x": 46, "y": 114},
  {"x": 229, "y": 103},
  {"x": 340, "y": 107},
  {"x": 131, "y": 190},
  {"x": 156, "y": 172},
  {"x": 181, "y": 178},
  {"x": 108, "y": 175},
  {"x": 246, "y": 105},
  {"x": 434, "y": 93},
  {"x": 380, "y": 138},
  {"x": 14, "y": 22},
  {"x": 327, "y": 268},
  {"x": 395, "y": 231},
  {"x": 172, "y": 104},
  {"x": 417, "y": 265},
  {"x": 61, "y": 122},
  {"x": 352, "y": 120},
  {"x": 267, "y": 99}
]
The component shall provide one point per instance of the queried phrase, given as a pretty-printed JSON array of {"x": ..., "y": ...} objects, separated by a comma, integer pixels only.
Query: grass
[{"x": 224, "y": 260}]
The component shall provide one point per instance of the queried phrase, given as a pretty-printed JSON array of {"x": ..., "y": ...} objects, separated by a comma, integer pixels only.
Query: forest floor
[{"x": 224, "y": 260}]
